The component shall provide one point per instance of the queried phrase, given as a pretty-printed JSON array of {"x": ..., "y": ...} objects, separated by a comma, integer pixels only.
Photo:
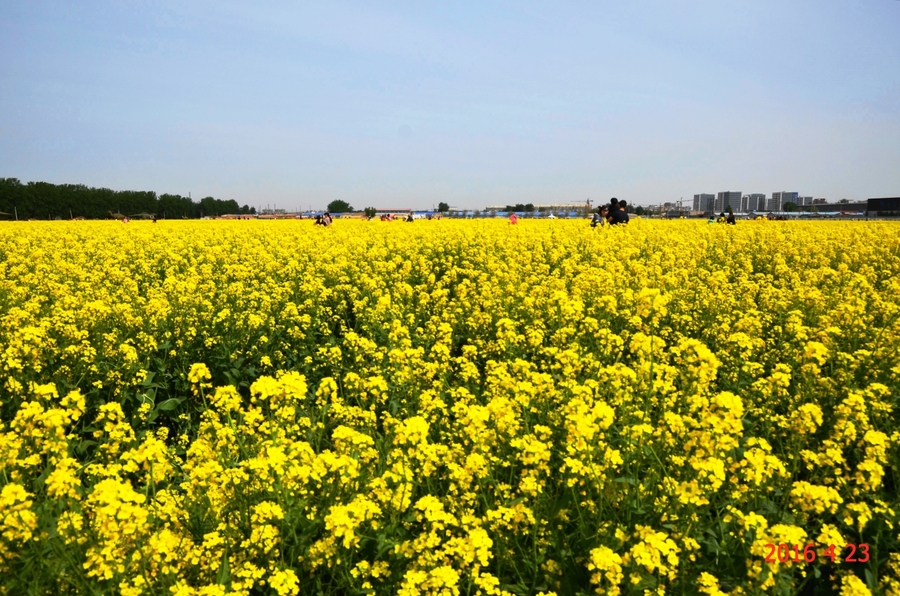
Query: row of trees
[
  {"x": 339, "y": 206},
  {"x": 42, "y": 200}
]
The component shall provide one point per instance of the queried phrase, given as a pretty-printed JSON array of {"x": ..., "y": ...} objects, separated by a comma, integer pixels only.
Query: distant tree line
[
  {"x": 520, "y": 208},
  {"x": 42, "y": 200}
]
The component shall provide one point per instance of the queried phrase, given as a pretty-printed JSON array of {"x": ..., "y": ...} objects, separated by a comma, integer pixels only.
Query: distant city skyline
[{"x": 472, "y": 104}]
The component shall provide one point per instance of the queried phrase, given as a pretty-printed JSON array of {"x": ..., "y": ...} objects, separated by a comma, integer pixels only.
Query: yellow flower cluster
[{"x": 447, "y": 408}]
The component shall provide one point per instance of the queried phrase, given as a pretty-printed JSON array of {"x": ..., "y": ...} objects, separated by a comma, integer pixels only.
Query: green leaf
[
  {"x": 170, "y": 404},
  {"x": 83, "y": 446},
  {"x": 648, "y": 583},
  {"x": 223, "y": 578}
]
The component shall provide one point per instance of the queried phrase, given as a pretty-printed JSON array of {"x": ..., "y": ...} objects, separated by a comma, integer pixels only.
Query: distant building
[
  {"x": 847, "y": 207},
  {"x": 780, "y": 199},
  {"x": 885, "y": 206},
  {"x": 756, "y": 202},
  {"x": 728, "y": 198},
  {"x": 804, "y": 200},
  {"x": 776, "y": 203},
  {"x": 392, "y": 211},
  {"x": 704, "y": 202},
  {"x": 821, "y": 201}
]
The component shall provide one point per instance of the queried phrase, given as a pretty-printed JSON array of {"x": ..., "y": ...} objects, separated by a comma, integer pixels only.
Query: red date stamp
[{"x": 784, "y": 553}]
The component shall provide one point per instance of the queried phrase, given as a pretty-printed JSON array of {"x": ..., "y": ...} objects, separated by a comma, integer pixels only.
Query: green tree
[
  {"x": 729, "y": 210},
  {"x": 529, "y": 208},
  {"x": 43, "y": 200},
  {"x": 177, "y": 207},
  {"x": 229, "y": 206},
  {"x": 371, "y": 211},
  {"x": 639, "y": 210},
  {"x": 443, "y": 207},
  {"x": 790, "y": 206},
  {"x": 209, "y": 207},
  {"x": 339, "y": 206}
]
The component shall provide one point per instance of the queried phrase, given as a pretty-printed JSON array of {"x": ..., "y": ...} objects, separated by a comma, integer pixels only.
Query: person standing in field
[
  {"x": 619, "y": 215},
  {"x": 730, "y": 219},
  {"x": 599, "y": 218},
  {"x": 513, "y": 220}
]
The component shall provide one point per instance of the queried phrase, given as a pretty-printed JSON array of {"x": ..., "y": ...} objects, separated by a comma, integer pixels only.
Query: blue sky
[{"x": 407, "y": 104}]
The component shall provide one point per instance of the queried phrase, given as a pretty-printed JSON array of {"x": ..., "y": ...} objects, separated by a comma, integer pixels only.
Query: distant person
[
  {"x": 619, "y": 215},
  {"x": 730, "y": 219},
  {"x": 721, "y": 218},
  {"x": 409, "y": 218},
  {"x": 711, "y": 220},
  {"x": 319, "y": 221},
  {"x": 599, "y": 218},
  {"x": 327, "y": 218},
  {"x": 153, "y": 218},
  {"x": 513, "y": 220}
]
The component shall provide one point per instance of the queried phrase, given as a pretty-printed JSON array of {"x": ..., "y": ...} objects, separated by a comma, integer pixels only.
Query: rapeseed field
[{"x": 449, "y": 407}]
